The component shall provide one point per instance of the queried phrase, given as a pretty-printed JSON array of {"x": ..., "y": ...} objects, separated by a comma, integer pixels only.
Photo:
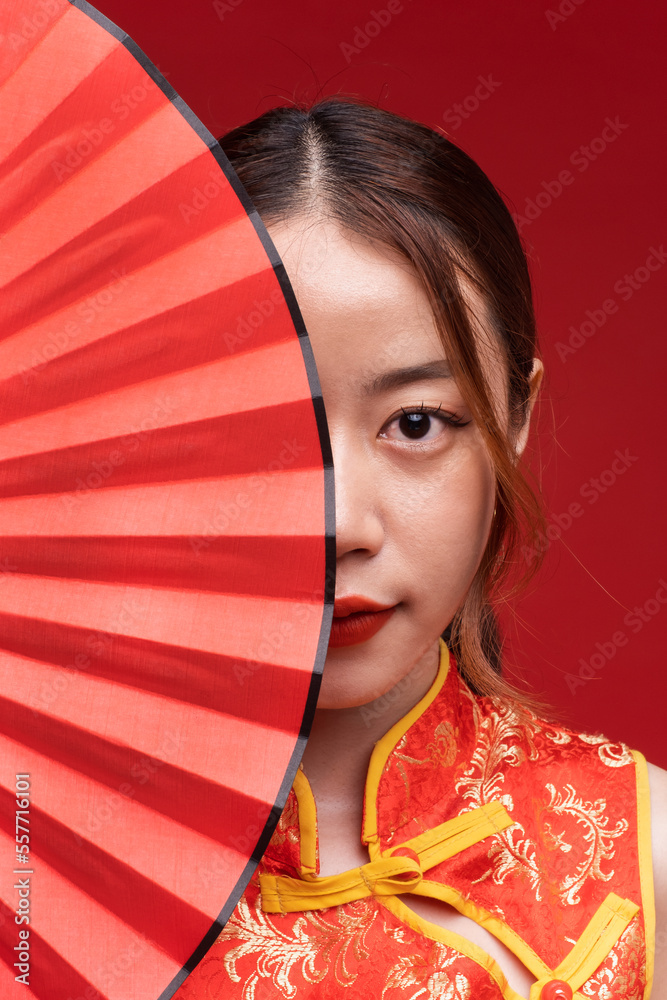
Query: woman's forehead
[
  {"x": 319, "y": 252},
  {"x": 366, "y": 311}
]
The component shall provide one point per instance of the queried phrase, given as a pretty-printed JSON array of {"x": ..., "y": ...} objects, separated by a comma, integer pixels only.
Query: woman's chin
[
  {"x": 354, "y": 679},
  {"x": 349, "y": 688}
]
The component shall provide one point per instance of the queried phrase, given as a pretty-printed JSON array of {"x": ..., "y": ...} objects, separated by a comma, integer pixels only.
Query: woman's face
[{"x": 414, "y": 489}]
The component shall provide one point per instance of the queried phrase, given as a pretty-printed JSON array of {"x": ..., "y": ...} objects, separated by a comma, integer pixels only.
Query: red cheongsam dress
[{"x": 539, "y": 834}]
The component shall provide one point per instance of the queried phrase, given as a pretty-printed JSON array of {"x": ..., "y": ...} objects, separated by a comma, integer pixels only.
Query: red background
[{"x": 556, "y": 78}]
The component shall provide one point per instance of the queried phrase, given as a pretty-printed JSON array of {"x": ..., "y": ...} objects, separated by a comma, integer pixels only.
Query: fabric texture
[
  {"x": 166, "y": 519},
  {"x": 564, "y": 881}
]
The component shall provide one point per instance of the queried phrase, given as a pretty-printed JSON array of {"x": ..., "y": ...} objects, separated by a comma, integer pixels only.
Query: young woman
[{"x": 440, "y": 839}]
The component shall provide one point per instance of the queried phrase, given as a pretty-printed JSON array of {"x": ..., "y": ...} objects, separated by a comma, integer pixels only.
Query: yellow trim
[
  {"x": 307, "y": 823},
  {"x": 645, "y": 851},
  {"x": 382, "y": 877},
  {"x": 452, "y": 940},
  {"x": 595, "y": 942},
  {"x": 493, "y": 924},
  {"x": 598, "y": 938},
  {"x": 385, "y": 746},
  {"x": 387, "y": 874},
  {"x": 457, "y": 834}
]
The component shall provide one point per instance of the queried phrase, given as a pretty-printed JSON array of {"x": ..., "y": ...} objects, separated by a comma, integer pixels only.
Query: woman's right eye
[{"x": 421, "y": 424}]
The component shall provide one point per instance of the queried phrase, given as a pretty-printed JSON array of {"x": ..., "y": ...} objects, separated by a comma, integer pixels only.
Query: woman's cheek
[{"x": 453, "y": 526}]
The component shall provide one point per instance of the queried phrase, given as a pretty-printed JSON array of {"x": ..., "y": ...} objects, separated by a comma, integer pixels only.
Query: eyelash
[{"x": 451, "y": 419}]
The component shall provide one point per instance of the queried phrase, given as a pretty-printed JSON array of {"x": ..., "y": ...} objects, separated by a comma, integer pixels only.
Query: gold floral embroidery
[
  {"x": 315, "y": 948},
  {"x": 499, "y": 735},
  {"x": 597, "y": 836},
  {"x": 441, "y": 750},
  {"x": 611, "y": 754},
  {"x": 314, "y": 944},
  {"x": 498, "y": 747},
  {"x": 622, "y": 974},
  {"x": 337, "y": 952},
  {"x": 615, "y": 755},
  {"x": 428, "y": 974},
  {"x": 287, "y": 829}
]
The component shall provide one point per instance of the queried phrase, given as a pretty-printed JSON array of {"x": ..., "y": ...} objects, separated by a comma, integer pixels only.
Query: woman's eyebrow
[{"x": 397, "y": 377}]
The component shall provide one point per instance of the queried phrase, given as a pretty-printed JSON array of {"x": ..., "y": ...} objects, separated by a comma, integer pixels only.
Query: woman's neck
[{"x": 338, "y": 753}]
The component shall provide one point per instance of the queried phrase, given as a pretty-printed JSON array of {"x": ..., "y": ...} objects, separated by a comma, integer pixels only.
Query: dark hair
[{"x": 401, "y": 184}]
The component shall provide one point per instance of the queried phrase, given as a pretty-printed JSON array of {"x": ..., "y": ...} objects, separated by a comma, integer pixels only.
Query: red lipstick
[{"x": 357, "y": 619}]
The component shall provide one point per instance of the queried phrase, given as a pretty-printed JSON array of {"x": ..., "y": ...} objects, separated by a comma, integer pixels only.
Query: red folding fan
[{"x": 165, "y": 505}]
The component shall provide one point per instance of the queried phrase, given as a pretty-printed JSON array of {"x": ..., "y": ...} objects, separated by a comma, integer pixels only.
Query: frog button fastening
[{"x": 556, "y": 990}]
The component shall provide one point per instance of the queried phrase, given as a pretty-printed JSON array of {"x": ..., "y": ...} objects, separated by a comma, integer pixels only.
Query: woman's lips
[{"x": 357, "y": 619}]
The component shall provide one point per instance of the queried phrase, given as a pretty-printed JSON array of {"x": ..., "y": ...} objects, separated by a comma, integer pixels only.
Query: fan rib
[
  {"x": 219, "y": 388},
  {"x": 225, "y": 624},
  {"x": 141, "y": 160},
  {"x": 51, "y": 972},
  {"x": 259, "y": 692},
  {"x": 225, "y": 566},
  {"x": 177, "y": 339},
  {"x": 275, "y": 503},
  {"x": 138, "y": 725},
  {"x": 132, "y": 896},
  {"x": 91, "y": 955},
  {"x": 200, "y": 264},
  {"x": 118, "y": 820},
  {"x": 31, "y": 102},
  {"x": 149, "y": 452}
]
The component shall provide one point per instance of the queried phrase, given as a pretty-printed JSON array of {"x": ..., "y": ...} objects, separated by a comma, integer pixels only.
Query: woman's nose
[{"x": 359, "y": 524}]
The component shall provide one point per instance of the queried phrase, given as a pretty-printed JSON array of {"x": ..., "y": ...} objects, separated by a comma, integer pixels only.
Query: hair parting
[{"x": 403, "y": 185}]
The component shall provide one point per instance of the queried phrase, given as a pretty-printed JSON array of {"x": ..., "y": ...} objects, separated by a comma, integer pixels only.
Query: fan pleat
[
  {"x": 101, "y": 92},
  {"x": 89, "y": 121},
  {"x": 227, "y": 566},
  {"x": 99, "y": 252},
  {"x": 52, "y": 968},
  {"x": 142, "y": 455},
  {"x": 137, "y": 723},
  {"x": 183, "y": 337},
  {"x": 221, "y": 257},
  {"x": 23, "y": 35},
  {"x": 130, "y": 895},
  {"x": 225, "y": 624},
  {"x": 220, "y": 388},
  {"x": 9, "y": 988},
  {"x": 117, "y": 821},
  {"x": 223, "y": 814},
  {"x": 164, "y": 540},
  {"x": 51, "y": 225},
  {"x": 272, "y": 503},
  {"x": 43, "y": 79},
  {"x": 73, "y": 939},
  {"x": 260, "y": 692}
]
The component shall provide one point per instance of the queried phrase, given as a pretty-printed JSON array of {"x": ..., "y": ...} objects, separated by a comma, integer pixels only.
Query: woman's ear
[{"x": 534, "y": 381}]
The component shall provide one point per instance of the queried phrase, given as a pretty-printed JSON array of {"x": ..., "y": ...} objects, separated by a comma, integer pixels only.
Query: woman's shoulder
[
  {"x": 657, "y": 778},
  {"x": 547, "y": 740},
  {"x": 658, "y": 785}
]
